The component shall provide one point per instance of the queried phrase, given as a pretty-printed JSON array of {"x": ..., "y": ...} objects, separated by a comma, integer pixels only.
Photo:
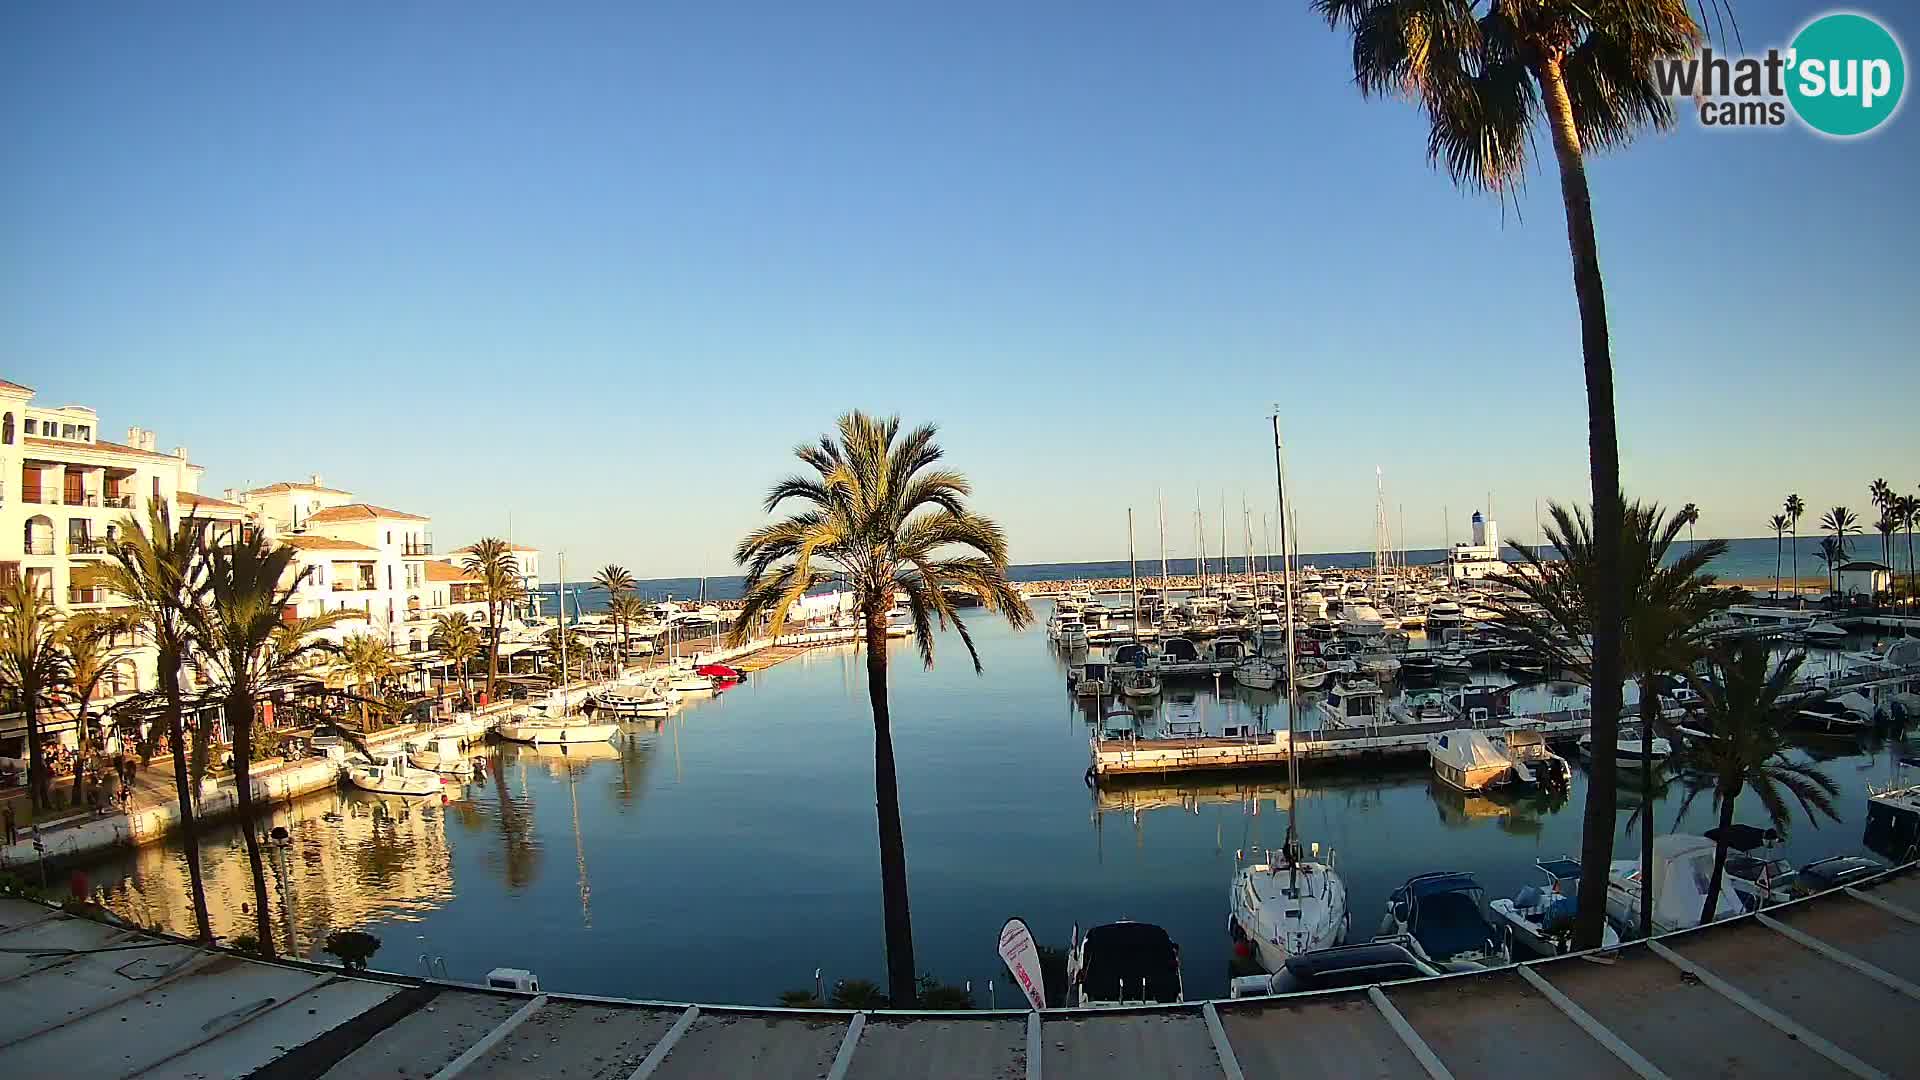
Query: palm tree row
[
  {"x": 214, "y": 609},
  {"x": 1488, "y": 76},
  {"x": 1666, "y": 605},
  {"x": 622, "y": 606}
]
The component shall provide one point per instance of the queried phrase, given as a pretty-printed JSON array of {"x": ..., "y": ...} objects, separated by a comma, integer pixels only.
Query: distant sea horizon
[{"x": 1747, "y": 558}]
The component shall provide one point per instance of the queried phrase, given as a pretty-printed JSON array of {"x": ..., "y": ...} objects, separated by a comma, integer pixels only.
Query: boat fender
[{"x": 1089, "y": 777}]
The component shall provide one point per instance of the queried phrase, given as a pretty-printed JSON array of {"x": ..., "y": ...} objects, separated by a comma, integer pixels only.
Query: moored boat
[
  {"x": 392, "y": 775},
  {"x": 1539, "y": 919},
  {"x": 1468, "y": 760},
  {"x": 1123, "y": 963},
  {"x": 1287, "y": 906},
  {"x": 1443, "y": 913}
]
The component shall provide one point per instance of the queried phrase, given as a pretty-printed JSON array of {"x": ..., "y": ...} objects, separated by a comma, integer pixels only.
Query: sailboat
[
  {"x": 1288, "y": 903},
  {"x": 561, "y": 722}
]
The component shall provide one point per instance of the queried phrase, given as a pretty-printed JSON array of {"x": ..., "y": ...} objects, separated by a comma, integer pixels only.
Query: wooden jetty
[{"x": 1825, "y": 986}]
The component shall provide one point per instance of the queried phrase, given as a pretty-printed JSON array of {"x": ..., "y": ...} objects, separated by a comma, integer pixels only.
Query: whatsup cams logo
[{"x": 1843, "y": 76}]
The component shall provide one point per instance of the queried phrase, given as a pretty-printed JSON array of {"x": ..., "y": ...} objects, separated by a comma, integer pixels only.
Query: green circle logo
[{"x": 1847, "y": 74}]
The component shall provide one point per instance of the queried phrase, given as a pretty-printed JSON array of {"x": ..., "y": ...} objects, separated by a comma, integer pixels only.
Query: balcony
[
  {"x": 353, "y": 586},
  {"x": 86, "y": 545},
  {"x": 86, "y": 595},
  {"x": 40, "y": 547},
  {"x": 422, "y": 547},
  {"x": 117, "y": 502},
  {"x": 80, "y": 498}
]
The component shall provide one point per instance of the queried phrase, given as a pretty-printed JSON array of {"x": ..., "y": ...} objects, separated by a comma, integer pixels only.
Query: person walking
[{"x": 13, "y": 828}]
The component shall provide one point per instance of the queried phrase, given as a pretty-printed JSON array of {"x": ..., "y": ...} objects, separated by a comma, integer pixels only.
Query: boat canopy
[
  {"x": 1132, "y": 653},
  {"x": 1470, "y": 749},
  {"x": 1179, "y": 650},
  {"x": 1443, "y": 913},
  {"x": 1130, "y": 961},
  {"x": 1560, "y": 869},
  {"x": 1682, "y": 866}
]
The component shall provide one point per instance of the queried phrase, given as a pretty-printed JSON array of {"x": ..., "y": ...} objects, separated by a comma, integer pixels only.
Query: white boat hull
[
  {"x": 412, "y": 785},
  {"x": 557, "y": 733}
]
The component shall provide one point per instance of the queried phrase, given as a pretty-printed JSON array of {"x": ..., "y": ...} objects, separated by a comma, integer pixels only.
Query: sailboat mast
[
  {"x": 1133, "y": 571},
  {"x": 1166, "y": 598},
  {"x": 562, "y": 597},
  {"x": 1293, "y": 692}
]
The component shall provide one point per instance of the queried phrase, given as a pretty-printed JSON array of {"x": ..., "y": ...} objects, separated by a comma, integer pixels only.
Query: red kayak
[{"x": 720, "y": 671}]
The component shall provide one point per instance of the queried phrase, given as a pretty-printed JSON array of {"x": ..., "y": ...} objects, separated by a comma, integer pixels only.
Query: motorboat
[
  {"x": 1096, "y": 680},
  {"x": 1419, "y": 667},
  {"x": 1835, "y": 872},
  {"x": 446, "y": 757},
  {"x": 1311, "y": 673},
  {"x": 689, "y": 681},
  {"x": 1139, "y": 682},
  {"x": 1421, "y": 707},
  {"x": 1131, "y": 654},
  {"x": 631, "y": 702},
  {"x": 1119, "y": 723},
  {"x": 1257, "y": 672},
  {"x": 1226, "y": 650},
  {"x": 1072, "y": 635},
  {"x": 1682, "y": 869},
  {"x": 1444, "y": 615},
  {"x": 1480, "y": 706},
  {"x": 1825, "y": 630},
  {"x": 390, "y": 774},
  {"x": 1380, "y": 666},
  {"x": 1468, "y": 759},
  {"x": 1284, "y": 907},
  {"x": 1179, "y": 655},
  {"x": 1452, "y": 665},
  {"x": 1361, "y": 620},
  {"x": 1539, "y": 918},
  {"x": 1843, "y": 714},
  {"x": 1535, "y": 765},
  {"x": 557, "y": 725},
  {"x": 1123, "y": 963},
  {"x": 1444, "y": 915},
  {"x": 1378, "y": 961},
  {"x": 1761, "y": 880},
  {"x": 1630, "y": 749},
  {"x": 1353, "y": 703}
]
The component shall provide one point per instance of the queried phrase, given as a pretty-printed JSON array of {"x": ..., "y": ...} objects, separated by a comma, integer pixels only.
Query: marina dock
[{"x": 1817, "y": 987}]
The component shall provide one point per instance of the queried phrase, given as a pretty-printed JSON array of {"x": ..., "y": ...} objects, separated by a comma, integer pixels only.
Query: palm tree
[
  {"x": 1667, "y": 606},
  {"x": 1742, "y": 706},
  {"x": 1841, "y": 522},
  {"x": 492, "y": 561},
  {"x": 1888, "y": 526},
  {"x": 1908, "y": 508},
  {"x": 31, "y": 664},
  {"x": 158, "y": 568},
  {"x": 365, "y": 661},
  {"x": 1795, "y": 506},
  {"x": 1778, "y": 523},
  {"x": 87, "y": 639},
  {"x": 460, "y": 646},
  {"x": 446, "y": 628},
  {"x": 627, "y": 610},
  {"x": 1830, "y": 557},
  {"x": 1880, "y": 493},
  {"x": 252, "y": 650},
  {"x": 879, "y": 512},
  {"x": 1486, "y": 81},
  {"x": 618, "y": 583},
  {"x": 1689, "y": 516}
]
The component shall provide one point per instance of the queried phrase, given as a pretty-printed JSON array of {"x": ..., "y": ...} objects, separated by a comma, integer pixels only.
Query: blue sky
[{"x": 600, "y": 267}]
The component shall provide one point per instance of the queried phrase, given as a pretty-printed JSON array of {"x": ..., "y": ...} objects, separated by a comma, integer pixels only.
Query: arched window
[{"x": 6, "y": 430}]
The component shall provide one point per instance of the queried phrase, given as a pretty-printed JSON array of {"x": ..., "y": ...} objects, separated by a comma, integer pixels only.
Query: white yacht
[
  {"x": 1287, "y": 906},
  {"x": 1353, "y": 703},
  {"x": 392, "y": 775},
  {"x": 557, "y": 723},
  {"x": 445, "y": 756},
  {"x": 1361, "y": 620},
  {"x": 1535, "y": 765},
  {"x": 1095, "y": 680},
  {"x": 1123, "y": 963},
  {"x": 1072, "y": 635},
  {"x": 1630, "y": 749},
  {"x": 1442, "y": 913}
]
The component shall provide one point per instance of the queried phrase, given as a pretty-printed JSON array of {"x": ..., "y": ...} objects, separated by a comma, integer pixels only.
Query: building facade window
[
  {"x": 32, "y": 425},
  {"x": 6, "y": 430}
]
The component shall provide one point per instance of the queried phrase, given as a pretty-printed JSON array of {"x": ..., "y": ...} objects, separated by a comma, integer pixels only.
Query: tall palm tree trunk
[
  {"x": 83, "y": 752},
  {"x": 240, "y": 723},
  {"x": 1712, "y": 902},
  {"x": 183, "y": 787},
  {"x": 1777, "y": 542},
  {"x": 1795, "y": 533},
  {"x": 1596, "y": 847},
  {"x": 493, "y": 648},
  {"x": 893, "y": 843},
  {"x": 1649, "y": 712}
]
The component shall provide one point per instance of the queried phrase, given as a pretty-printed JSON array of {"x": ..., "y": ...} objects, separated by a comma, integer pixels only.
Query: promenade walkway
[{"x": 1822, "y": 987}]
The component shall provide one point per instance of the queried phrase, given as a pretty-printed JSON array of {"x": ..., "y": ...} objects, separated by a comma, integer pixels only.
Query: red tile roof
[
  {"x": 207, "y": 502},
  {"x": 5, "y": 385},
  {"x": 322, "y": 543},
  {"x": 284, "y": 486},
  {"x": 101, "y": 445},
  {"x": 359, "y": 512},
  {"x": 439, "y": 571}
]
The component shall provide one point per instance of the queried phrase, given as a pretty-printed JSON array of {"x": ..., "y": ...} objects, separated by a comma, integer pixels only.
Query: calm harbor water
[{"x": 725, "y": 853}]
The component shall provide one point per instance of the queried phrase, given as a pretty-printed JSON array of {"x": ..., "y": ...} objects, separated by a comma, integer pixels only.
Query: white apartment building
[
  {"x": 528, "y": 559},
  {"x": 63, "y": 491}
]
